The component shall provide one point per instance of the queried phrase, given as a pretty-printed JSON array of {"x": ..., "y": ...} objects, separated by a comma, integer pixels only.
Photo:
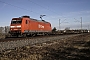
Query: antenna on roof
[{"x": 42, "y": 16}]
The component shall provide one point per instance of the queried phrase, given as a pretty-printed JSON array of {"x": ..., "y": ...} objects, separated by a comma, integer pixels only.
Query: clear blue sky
[{"x": 68, "y": 11}]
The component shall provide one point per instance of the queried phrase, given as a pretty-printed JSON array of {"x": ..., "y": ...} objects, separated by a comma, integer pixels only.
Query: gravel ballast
[
  {"x": 20, "y": 43},
  {"x": 69, "y": 48}
]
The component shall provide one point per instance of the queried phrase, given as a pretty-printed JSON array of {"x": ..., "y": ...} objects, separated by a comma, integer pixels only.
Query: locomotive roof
[
  {"x": 16, "y": 18},
  {"x": 30, "y": 18},
  {"x": 39, "y": 20},
  {"x": 34, "y": 19}
]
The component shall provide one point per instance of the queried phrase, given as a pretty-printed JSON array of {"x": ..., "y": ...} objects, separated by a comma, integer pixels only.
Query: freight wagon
[{"x": 25, "y": 26}]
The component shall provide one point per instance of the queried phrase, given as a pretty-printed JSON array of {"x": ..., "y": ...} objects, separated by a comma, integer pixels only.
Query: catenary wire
[{"x": 18, "y": 7}]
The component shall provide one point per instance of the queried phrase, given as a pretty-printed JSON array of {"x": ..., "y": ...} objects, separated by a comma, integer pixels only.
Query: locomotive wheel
[
  {"x": 33, "y": 35},
  {"x": 24, "y": 35}
]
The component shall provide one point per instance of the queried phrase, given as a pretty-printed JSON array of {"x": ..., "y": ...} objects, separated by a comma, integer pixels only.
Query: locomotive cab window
[{"x": 16, "y": 21}]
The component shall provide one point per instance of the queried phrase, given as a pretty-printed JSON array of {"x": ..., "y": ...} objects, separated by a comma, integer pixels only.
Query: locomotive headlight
[
  {"x": 12, "y": 26},
  {"x": 19, "y": 26}
]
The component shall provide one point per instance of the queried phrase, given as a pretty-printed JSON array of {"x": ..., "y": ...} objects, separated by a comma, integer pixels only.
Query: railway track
[
  {"x": 11, "y": 43},
  {"x": 24, "y": 38}
]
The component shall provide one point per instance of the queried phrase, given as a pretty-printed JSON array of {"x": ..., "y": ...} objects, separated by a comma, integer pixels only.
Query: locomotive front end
[{"x": 15, "y": 27}]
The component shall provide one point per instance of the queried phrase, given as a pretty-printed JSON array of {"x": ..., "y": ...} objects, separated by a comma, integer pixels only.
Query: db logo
[{"x": 40, "y": 26}]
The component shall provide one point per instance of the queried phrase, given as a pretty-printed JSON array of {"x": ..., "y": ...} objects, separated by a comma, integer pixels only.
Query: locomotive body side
[{"x": 31, "y": 26}]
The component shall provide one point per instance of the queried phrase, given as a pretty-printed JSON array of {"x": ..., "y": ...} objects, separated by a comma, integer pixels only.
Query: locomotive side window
[
  {"x": 16, "y": 21},
  {"x": 26, "y": 21},
  {"x": 50, "y": 25}
]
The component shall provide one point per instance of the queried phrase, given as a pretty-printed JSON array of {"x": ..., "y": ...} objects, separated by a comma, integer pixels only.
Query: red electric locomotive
[{"x": 25, "y": 25}]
